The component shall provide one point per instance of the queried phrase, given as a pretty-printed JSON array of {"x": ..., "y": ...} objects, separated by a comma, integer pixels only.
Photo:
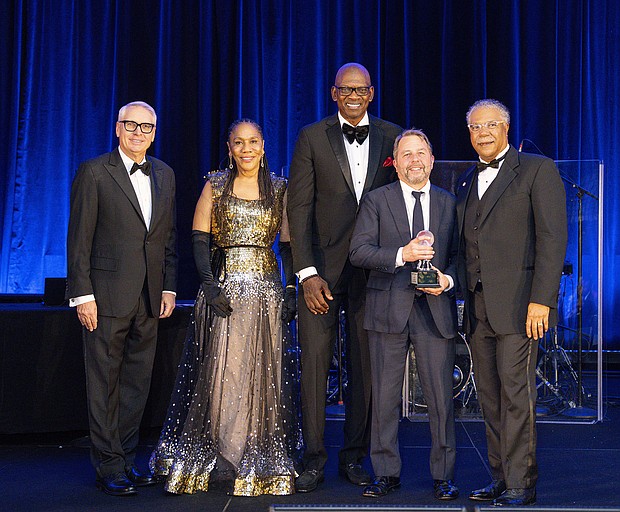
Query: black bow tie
[
  {"x": 352, "y": 133},
  {"x": 145, "y": 168},
  {"x": 493, "y": 163}
]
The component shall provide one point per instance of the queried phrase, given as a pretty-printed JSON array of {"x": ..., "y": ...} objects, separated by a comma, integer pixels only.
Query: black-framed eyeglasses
[
  {"x": 489, "y": 125},
  {"x": 132, "y": 126},
  {"x": 361, "y": 91}
]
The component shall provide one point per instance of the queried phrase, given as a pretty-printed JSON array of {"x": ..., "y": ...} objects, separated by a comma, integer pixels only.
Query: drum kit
[
  {"x": 463, "y": 382},
  {"x": 557, "y": 381}
]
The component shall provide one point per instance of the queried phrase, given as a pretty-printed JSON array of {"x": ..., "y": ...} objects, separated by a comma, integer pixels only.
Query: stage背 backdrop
[{"x": 67, "y": 66}]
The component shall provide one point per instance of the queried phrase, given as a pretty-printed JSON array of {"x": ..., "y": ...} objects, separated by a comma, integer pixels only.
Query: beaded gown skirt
[{"x": 233, "y": 414}]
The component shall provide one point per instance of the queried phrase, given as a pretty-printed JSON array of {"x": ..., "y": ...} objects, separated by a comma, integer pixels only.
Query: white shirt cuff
[
  {"x": 82, "y": 299},
  {"x": 307, "y": 272}
]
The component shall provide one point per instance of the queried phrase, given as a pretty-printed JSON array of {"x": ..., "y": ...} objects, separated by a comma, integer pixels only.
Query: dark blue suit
[{"x": 394, "y": 318}]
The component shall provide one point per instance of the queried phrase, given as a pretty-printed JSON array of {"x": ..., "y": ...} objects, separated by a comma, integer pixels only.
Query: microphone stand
[{"x": 579, "y": 410}]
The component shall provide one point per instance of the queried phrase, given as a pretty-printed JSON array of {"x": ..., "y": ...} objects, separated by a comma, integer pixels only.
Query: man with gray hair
[
  {"x": 511, "y": 211},
  {"x": 121, "y": 278}
]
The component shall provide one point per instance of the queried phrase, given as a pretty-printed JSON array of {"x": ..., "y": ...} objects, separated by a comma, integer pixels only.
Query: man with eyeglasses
[
  {"x": 511, "y": 210},
  {"x": 336, "y": 161},
  {"x": 121, "y": 278}
]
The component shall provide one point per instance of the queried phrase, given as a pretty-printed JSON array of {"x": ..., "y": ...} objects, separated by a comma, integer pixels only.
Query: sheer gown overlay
[{"x": 233, "y": 415}]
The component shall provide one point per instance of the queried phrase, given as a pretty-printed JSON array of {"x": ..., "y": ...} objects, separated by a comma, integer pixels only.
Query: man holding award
[{"x": 405, "y": 235}]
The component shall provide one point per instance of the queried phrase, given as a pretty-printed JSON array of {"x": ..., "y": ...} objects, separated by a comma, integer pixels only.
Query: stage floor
[{"x": 578, "y": 469}]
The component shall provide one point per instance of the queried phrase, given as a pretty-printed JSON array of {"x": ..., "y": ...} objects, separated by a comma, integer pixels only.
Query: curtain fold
[{"x": 68, "y": 66}]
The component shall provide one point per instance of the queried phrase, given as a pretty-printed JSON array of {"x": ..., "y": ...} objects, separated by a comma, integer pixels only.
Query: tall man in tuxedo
[
  {"x": 122, "y": 269},
  {"x": 385, "y": 242},
  {"x": 336, "y": 161},
  {"x": 511, "y": 212}
]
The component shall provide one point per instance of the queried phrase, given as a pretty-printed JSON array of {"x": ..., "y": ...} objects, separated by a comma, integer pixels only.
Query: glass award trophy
[{"x": 425, "y": 276}]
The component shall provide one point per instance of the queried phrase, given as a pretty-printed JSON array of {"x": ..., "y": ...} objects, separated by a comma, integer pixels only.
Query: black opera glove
[
  {"x": 215, "y": 297},
  {"x": 201, "y": 246},
  {"x": 289, "y": 308}
]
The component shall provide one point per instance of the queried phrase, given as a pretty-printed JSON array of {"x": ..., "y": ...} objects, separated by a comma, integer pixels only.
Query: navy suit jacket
[
  {"x": 382, "y": 227},
  {"x": 110, "y": 251}
]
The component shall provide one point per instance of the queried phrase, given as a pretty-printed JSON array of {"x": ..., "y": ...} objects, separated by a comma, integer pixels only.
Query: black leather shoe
[
  {"x": 355, "y": 474},
  {"x": 139, "y": 479},
  {"x": 445, "y": 490},
  {"x": 381, "y": 485},
  {"x": 116, "y": 484},
  {"x": 309, "y": 480},
  {"x": 490, "y": 492},
  {"x": 516, "y": 498}
]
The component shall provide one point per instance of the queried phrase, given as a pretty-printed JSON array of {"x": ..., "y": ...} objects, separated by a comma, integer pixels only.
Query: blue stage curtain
[{"x": 67, "y": 66}]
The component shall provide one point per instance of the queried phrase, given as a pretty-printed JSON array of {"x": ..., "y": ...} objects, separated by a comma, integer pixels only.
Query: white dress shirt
[
  {"x": 357, "y": 155},
  {"x": 425, "y": 203},
  {"x": 142, "y": 186},
  {"x": 486, "y": 177}
]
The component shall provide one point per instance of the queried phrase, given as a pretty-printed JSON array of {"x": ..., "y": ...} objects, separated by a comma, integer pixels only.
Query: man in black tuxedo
[
  {"x": 122, "y": 269},
  {"x": 336, "y": 161},
  {"x": 388, "y": 240},
  {"x": 511, "y": 212}
]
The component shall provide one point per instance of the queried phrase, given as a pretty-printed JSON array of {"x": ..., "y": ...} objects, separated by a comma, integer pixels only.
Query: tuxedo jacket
[
  {"x": 382, "y": 228},
  {"x": 321, "y": 198},
  {"x": 522, "y": 240},
  {"x": 110, "y": 251}
]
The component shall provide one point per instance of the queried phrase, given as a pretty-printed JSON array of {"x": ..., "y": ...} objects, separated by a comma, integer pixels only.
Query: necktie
[
  {"x": 145, "y": 168},
  {"x": 353, "y": 133},
  {"x": 418, "y": 216},
  {"x": 493, "y": 163}
]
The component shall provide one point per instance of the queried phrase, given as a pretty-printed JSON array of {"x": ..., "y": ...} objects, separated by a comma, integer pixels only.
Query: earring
[
  {"x": 230, "y": 165},
  {"x": 262, "y": 161}
]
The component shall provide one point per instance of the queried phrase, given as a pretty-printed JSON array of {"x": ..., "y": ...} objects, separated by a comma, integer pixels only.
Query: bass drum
[{"x": 462, "y": 377}]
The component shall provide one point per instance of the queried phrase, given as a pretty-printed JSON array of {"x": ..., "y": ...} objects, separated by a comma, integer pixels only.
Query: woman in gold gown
[{"x": 233, "y": 414}]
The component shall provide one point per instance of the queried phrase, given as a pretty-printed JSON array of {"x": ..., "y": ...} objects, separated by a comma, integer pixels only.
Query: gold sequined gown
[{"x": 233, "y": 415}]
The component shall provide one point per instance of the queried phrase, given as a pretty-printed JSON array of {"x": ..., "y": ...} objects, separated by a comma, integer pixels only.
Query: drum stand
[{"x": 553, "y": 369}]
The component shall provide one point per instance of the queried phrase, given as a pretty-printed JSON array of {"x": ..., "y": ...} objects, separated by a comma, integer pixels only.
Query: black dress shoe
[
  {"x": 516, "y": 498},
  {"x": 139, "y": 479},
  {"x": 381, "y": 485},
  {"x": 355, "y": 474},
  {"x": 309, "y": 480},
  {"x": 490, "y": 492},
  {"x": 445, "y": 490},
  {"x": 116, "y": 484}
]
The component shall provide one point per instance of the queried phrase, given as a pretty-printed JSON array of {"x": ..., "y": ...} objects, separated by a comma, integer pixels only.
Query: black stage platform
[
  {"x": 578, "y": 470},
  {"x": 42, "y": 382},
  {"x": 44, "y": 459}
]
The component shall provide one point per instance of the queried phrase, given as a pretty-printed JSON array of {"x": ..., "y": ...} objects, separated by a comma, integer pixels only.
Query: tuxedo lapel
[
  {"x": 436, "y": 211},
  {"x": 463, "y": 191},
  {"x": 334, "y": 135},
  {"x": 156, "y": 190},
  {"x": 117, "y": 170},
  {"x": 504, "y": 178},
  {"x": 375, "y": 139},
  {"x": 396, "y": 204}
]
